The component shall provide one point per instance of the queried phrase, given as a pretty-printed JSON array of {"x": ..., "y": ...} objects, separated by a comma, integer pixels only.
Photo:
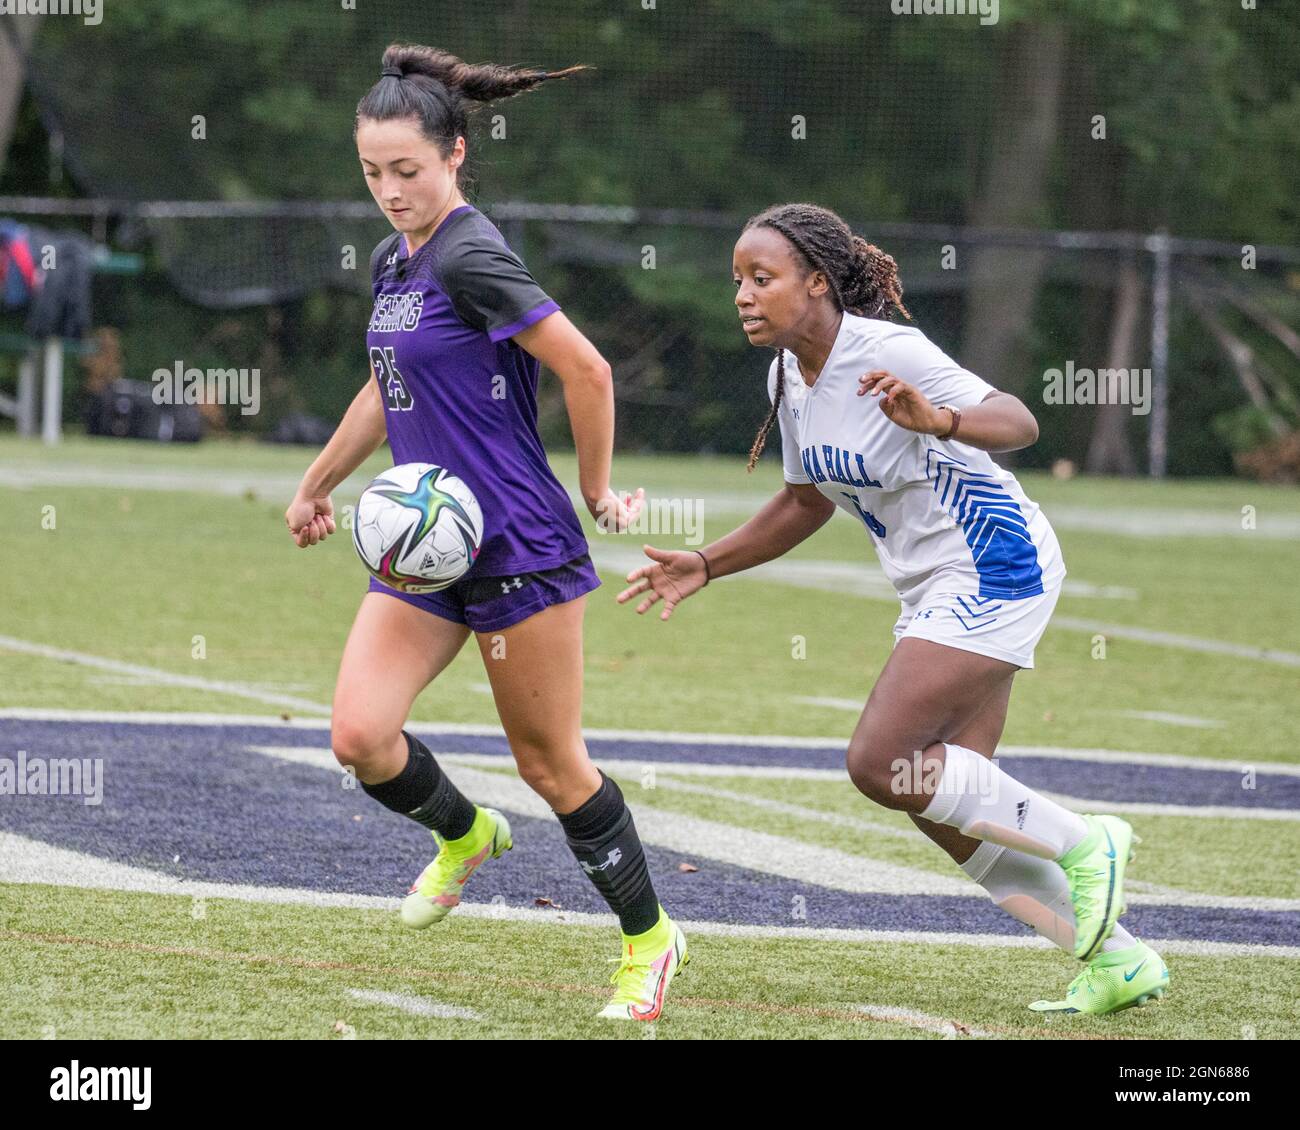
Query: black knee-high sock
[
  {"x": 425, "y": 793},
  {"x": 603, "y": 838}
]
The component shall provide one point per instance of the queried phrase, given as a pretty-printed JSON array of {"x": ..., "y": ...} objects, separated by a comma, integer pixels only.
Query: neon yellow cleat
[
  {"x": 1095, "y": 870},
  {"x": 650, "y": 961},
  {"x": 437, "y": 891},
  {"x": 1125, "y": 978}
]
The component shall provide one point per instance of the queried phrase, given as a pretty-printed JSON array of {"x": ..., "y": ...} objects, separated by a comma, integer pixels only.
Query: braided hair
[
  {"x": 863, "y": 279},
  {"x": 436, "y": 89}
]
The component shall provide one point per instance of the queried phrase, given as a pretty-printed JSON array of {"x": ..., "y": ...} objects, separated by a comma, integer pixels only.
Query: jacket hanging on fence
[
  {"x": 19, "y": 277},
  {"x": 60, "y": 306}
]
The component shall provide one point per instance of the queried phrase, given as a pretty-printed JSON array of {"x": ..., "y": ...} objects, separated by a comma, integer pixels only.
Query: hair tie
[{"x": 391, "y": 72}]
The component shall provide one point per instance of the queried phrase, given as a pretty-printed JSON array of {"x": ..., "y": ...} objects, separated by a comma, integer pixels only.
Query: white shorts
[{"x": 1003, "y": 629}]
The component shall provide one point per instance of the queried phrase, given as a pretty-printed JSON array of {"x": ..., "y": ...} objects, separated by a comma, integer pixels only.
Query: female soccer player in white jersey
[
  {"x": 455, "y": 312},
  {"x": 877, "y": 420}
]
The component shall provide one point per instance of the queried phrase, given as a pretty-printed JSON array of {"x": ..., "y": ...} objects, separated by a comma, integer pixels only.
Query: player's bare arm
[
  {"x": 1000, "y": 422},
  {"x": 589, "y": 398},
  {"x": 792, "y": 516},
  {"x": 310, "y": 516}
]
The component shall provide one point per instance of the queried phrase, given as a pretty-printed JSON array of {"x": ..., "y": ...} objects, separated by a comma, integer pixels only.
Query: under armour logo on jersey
[
  {"x": 796, "y": 412},
  {"x": 392, "y": 259},
  {"x": 516, "y": 583},
  {"x": 614, "y": 856}
]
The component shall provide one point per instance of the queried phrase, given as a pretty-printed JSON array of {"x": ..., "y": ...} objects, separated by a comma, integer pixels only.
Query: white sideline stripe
[
  {"x": 1173, "y": 719},
  {"x": 851, "y": 704},
  {"x": 1180, "y": 642},
  {"x": 699, "y": 838},
  {"x": 863, "y": 578},
  {"x": 1122, "y": 521},
  {"x": 922, "y": 1020},
  {"x": 856, "y": 580},
  {"x": 665, "y": 737},
  {"x": 1195, "y": 811},
  {"x": 636, "y": 769},
  {"x": 193, "y": 682},
  {"x": 416, "y": 1006},
  {"x": 630, "y": 770},
  {"x": 33, "y": 862},
  {"x": 1164, "y": 760},
  {"x": 695, "y": 837},
  {"x": 175, "y": 480}
]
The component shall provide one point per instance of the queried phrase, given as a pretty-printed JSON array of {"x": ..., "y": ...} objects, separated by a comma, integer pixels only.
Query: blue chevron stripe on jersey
[{"x": 1004, "y": 554}]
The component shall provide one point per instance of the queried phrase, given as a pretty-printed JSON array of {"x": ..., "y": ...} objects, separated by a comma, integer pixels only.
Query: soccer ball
[{"x": 418, "y": 528}]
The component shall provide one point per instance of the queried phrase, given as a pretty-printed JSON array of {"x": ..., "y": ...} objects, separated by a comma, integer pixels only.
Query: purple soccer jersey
[{"x": 459, "y": 393}]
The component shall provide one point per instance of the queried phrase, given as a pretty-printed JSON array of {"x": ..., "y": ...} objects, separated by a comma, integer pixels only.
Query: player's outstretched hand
[
  {"x": 903, "y": 403},
  {"x": 672, "y": 577},
  {"x": 309, "y": 519},
  {"x": 614, "y": 513}
]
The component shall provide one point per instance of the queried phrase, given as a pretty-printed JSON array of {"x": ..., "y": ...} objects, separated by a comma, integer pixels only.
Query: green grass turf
[
  {"x": 135, "y": 575},
  {"x": 83, "y": 964},
  {"x": 1249, "y": 858}
]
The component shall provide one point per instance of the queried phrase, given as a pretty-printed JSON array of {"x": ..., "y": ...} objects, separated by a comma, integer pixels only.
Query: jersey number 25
[{"x": 396, "y": 395}]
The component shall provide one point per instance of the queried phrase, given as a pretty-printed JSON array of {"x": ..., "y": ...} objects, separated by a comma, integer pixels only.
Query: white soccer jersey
[{"x": 938, "y": 511}]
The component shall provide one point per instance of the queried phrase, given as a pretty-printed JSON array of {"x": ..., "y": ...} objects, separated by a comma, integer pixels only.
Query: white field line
[
  {"x": 695, "y": 837},
  {"x": 154, "y": 674},
  {"x": 664, "y": 737},
  {"x": 858, "y": 580},
  {"x": 855, "y": 706},
  {"x": 180, "y": 479},
  {"x": 862, "y": 578},
  {"x": 741, "y": 846},
  {"x": 921, "y": 1020},
  {"x": 632, "y": 770},
  {"x": 1178, "y": 642},
  {"x": 1193, "y": 811},
  {"x": 1164, "y": 716},
  {"x": 33, "y": 862},
  {"x": 1120, "y": 521},
  {"x": 416, "y": 1006}
]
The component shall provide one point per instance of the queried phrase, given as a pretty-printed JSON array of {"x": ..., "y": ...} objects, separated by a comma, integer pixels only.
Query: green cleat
[
  {"x": 1113, "y": 981},
  {"x": 437, "y": 891},
  {"x": 651, "y": 962},
  {"x": 1095, "y": 870}
]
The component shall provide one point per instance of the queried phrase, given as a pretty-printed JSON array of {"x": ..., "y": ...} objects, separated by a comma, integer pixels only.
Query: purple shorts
[{"x": 488, "y": 604}]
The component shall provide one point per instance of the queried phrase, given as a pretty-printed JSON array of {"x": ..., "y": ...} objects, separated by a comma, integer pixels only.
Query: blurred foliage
[{"x": 690, "y": 105}]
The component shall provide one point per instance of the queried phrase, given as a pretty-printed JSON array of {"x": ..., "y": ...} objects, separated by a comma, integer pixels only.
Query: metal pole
[
  {"x": 1157, "y": 448},
  {"x": 26, "y": 406},
  {"x": 52, "y": 405}
]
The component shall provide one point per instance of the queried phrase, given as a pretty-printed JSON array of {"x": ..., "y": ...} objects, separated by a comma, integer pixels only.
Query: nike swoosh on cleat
[
  {"x": 1134, "y": 972},
  {"x": 657, "y": 996},
  {"x": 1110, "y": 854}
]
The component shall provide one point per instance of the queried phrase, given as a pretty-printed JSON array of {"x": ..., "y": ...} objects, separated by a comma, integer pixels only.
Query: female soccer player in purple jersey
[
  {"x": 458, "y": 330},
  {"x": 974, "y": 561}
]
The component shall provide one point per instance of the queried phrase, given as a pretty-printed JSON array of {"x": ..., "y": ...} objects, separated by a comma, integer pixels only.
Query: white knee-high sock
[
  {"x": 1035, "y": 892},
  {"x": 981, "y": 801}
]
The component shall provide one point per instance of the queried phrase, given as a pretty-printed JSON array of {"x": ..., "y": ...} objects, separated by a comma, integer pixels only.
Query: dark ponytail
[
  {"x": 436, "y": 89},
  {"x": 863, "y": 279}
]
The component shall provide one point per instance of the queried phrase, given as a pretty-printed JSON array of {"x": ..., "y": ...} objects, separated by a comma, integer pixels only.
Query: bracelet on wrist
[
  {"x": 708, "y": 576},
  {"x": 956, "y": 421}
]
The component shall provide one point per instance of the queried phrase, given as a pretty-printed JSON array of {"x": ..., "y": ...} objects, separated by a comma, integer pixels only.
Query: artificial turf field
[{"x": 231, "y": 885}]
